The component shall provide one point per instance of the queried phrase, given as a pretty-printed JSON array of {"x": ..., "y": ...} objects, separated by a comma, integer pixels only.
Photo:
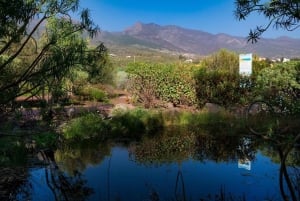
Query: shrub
[
  {"x": 223, "y": 60},
  {"x": 166, "y": 82},
  {"x": 46, "y": 139},
  {"x": 221, "y": 87},
  {"x": 87, "y": 126},
  {"x": 121, "y": 79},
  {"x": 280, "y": 85},
  {"x": 93, "y": 93}
]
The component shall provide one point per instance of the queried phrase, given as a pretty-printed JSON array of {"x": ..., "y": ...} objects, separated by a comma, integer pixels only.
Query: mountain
[{"x": 180, "y": 40}]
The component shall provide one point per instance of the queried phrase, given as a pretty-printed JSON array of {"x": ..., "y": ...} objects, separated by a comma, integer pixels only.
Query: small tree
[
  {"x": 23, "y": 71},
  {"x": 223, "y": 60}
]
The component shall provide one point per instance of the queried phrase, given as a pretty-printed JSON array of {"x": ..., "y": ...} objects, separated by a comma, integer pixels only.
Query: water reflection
[
  {"x": 50, "y": 183},
  {"x": 244, "y": 163},
  {"x": 177, "y": 165}
]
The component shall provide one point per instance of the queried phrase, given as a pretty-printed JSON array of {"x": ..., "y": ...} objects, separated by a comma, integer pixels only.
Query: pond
[{"x": 177, "y": 166}]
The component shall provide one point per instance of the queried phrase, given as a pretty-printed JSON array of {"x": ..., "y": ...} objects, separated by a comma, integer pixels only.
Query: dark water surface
[{"x": 165, "y": 168}]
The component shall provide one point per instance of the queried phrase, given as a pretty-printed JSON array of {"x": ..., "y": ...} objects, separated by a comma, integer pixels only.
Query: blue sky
[{"x": 213, "y": 16}]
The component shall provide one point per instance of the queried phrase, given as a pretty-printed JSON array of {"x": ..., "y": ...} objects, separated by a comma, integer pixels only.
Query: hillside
[{"x": 180, "y": 40}]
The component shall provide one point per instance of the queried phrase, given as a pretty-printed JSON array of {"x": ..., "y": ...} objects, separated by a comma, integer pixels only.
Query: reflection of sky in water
[
  {"x": 130, "y": 181},
  {"x": 200, "y": 179},
  {"x": 40, "y": 190}
]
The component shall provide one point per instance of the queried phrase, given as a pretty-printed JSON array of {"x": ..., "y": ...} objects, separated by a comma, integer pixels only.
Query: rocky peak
[
  {"x": 135, "y": 29},
  {"x": 143, "y": 29}
]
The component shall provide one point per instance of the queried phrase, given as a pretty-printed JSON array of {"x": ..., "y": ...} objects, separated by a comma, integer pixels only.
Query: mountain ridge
[{"x": 181, "y": 40}]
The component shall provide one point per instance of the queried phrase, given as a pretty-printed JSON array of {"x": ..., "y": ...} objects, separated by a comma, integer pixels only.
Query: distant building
[
  {"x": 188, "y": 61},
  {"x": 285, "y": 60}
]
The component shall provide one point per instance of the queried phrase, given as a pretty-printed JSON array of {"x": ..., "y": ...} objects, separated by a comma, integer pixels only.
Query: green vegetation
[
  {"x": 77, "y": 156},
  {"x": 13, "y": 152},
  {"x": 280, "y": 85},
  {"x": 123, "y": 124},
  {"x": 87, "y": 126},
  {"x": 45, "y": 57},
  {"x": 47, "y": 61},
  {"x": 165, "y": 82},
  {"x": 42, "y": 49},
  {"x": 57, "y": 65},
  {"x": 219, "y": 87},
  {"x": 92, "y": 93},
  {"x": 136, "y": 123},
  {"x": 45, "y": 140}
]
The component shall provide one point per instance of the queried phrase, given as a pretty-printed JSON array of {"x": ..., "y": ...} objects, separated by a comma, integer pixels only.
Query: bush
[
  {"x": 87, "y": 126},
  {"x": 221, "y": 87},
  {"x": 121, "y": 79},
  {"x": 45, "y": 140},
  {"x": 165, "y": 82},
  {"x": 93, "y": 93},
  {"x": 223, "y": 60},
  {"x": 280, "y": 85}
]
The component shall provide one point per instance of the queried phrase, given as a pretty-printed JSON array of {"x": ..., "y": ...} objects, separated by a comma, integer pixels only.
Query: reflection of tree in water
[
  {"x": 71, "y": 159},
  {"x": 288, "y": 175},
  {"x": 167, "y": 148},
  {"x": 283, "y": 136},
  {"x": 224, "y": 148},
  {"x": 76, "y": 156},
  {"x": 62, "y": 186},
  {"x": 286, "y": 152},
  {"x": 180, "y": 193},
  {"x": 12, "y": 181},
  {"x": 179, "y": 146}
]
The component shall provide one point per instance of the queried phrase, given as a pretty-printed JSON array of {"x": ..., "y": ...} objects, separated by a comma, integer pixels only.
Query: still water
[{"x": 165, "y": 168}]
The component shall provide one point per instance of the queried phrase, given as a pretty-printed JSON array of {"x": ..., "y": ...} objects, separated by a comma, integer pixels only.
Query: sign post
[
  {"x": 245, "y": 64},
  {"x": 245, "y": 70}
]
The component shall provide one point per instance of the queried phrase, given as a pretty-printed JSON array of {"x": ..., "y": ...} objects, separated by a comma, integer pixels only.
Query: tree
[
  {"x": 25, "y": 61},
  {"x": 223, "y": 60},
  {"x": 284, "y": 14}
]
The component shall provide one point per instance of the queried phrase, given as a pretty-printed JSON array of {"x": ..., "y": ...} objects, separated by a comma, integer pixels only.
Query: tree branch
[{"x": 11, "y": 58}]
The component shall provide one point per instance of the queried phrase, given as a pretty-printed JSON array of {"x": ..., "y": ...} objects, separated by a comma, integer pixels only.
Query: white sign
[
  {"x": 246, "y": 64},
  {"x": 244, "y": 163}
]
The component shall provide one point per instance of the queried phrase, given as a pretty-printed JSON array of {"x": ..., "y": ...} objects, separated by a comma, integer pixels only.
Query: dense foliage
[
  {"x": 165, "y": 82},
  {"x": 280, "y": 85},
  {"x": 217, "y": 80},
  {"x": 84, "y": 127},
  {"x": 219, "y": 87}
]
